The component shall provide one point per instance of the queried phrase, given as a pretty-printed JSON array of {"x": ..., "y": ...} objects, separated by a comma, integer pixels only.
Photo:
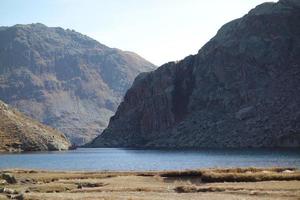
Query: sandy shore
[{"x": 240, "y": 183}]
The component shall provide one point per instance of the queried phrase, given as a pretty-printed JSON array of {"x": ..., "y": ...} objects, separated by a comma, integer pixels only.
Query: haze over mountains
[
  {"x": 242, "y": 89},
  {"x": 63, "y": 78}
]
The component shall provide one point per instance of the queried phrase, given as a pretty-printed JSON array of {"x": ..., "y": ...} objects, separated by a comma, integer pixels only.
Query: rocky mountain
[
  {"x": 63, "y": 78},
  {"x": 21, "y": 133},
  {"x": 242, "y": 89}
]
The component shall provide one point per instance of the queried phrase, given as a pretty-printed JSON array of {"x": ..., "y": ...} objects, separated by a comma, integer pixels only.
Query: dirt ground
[{"x": 245, "y": 183}]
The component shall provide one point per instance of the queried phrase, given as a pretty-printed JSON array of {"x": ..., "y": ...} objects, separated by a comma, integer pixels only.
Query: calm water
[{"x": 132, "y": 159}]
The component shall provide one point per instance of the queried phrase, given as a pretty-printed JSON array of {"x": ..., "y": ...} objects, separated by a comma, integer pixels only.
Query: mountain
[
  {"x": 63, "y": 78},
  {"x": 242, "y": 89},
  {"x": 21, "y": 133}
]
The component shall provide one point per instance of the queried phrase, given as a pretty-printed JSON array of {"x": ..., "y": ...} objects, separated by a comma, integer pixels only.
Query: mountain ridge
[
  {"x": 240, "y": 90},
  {"x": 63, "y": 78},
  {"x": 20, "y": 133}
]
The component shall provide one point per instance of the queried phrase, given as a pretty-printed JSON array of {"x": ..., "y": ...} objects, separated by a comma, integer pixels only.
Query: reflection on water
[{"x": 146, "y": 159}]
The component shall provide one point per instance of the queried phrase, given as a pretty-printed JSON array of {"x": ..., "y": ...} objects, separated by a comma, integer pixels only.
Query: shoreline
[
  {"x": 157, "y": 148},
  {"x": 154, "y": 171},
  {"x": 214, "y": 183}
]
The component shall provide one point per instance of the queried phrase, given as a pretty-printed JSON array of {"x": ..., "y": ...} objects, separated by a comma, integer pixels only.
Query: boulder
[{"x": 9, "y": 178}]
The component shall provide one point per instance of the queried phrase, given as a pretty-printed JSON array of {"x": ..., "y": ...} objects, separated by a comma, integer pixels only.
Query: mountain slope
[
  {"x": 63, "y": 78},
  {"x": 242, "y": 89},
  {"x": 20, "y": 133}
]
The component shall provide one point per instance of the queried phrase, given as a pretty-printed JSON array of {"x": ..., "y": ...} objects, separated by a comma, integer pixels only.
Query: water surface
[{"x": 137, "y": 159}]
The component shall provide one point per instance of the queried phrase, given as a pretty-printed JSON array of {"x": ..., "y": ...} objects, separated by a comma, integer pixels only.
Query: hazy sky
[{"x": 158, "y": 30}]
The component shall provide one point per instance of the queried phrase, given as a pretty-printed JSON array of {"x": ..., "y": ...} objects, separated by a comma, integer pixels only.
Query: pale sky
[{"x": 158, "y": 30}]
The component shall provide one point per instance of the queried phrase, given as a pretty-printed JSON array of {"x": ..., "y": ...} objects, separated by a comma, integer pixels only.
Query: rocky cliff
[
  {"x": 242, "y": 89},
  {"x": 21, "y": 133},
  {"x": 63, "y": 78}
]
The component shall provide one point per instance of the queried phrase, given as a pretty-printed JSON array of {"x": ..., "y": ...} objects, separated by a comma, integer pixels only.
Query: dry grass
[
  {"x": 252, "y": 169},
  {"x": 238, "y": 177},
  {"x": 237, "y": 174},
  {"x": 250, "y": 175},
  {"x": 52, "y": 187},
  {"x": 184, "y": 185}
]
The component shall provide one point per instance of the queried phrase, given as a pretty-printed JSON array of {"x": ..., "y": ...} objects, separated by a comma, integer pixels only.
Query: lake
[{"x": 148, "y": 159}]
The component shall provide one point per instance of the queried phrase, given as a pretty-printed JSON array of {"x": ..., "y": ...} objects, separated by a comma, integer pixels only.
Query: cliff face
[
  {"x": 63, "y": 78},
  {"x": 242, "y": 89},
  {"x": 21, "y": 133}
]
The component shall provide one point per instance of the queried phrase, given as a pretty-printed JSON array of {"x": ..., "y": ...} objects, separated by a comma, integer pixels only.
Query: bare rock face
[
  {"x": 21, "y": 133},
  {"x": 242, "y": 89},
  {"x": 63, "y": 78}
]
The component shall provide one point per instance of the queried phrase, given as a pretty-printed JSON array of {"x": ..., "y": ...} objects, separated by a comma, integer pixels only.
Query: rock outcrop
[
  {"x": 21, "y": 133},
  {"x": 63, "y": 78},
  {"x": 242, "y": 89}
]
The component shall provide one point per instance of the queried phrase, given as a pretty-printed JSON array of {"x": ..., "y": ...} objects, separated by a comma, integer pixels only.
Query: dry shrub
[
  {"x": 145, "y": 174},
  {"x": 193, "y": 189},
  {"x": 188, "y": 173},
  {"x": 243, "y": 177},
  {"x": 185, "y": 189},
  {"x": 89, "y": 185}
]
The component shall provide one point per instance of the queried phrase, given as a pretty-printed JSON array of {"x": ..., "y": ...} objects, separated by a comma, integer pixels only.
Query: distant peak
[
  {"x": 37, "y": 24},
  {"x": 30, "y": 25},
  {"x": 272, "y": 7},
  {"x": 291, "y": 3}
]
